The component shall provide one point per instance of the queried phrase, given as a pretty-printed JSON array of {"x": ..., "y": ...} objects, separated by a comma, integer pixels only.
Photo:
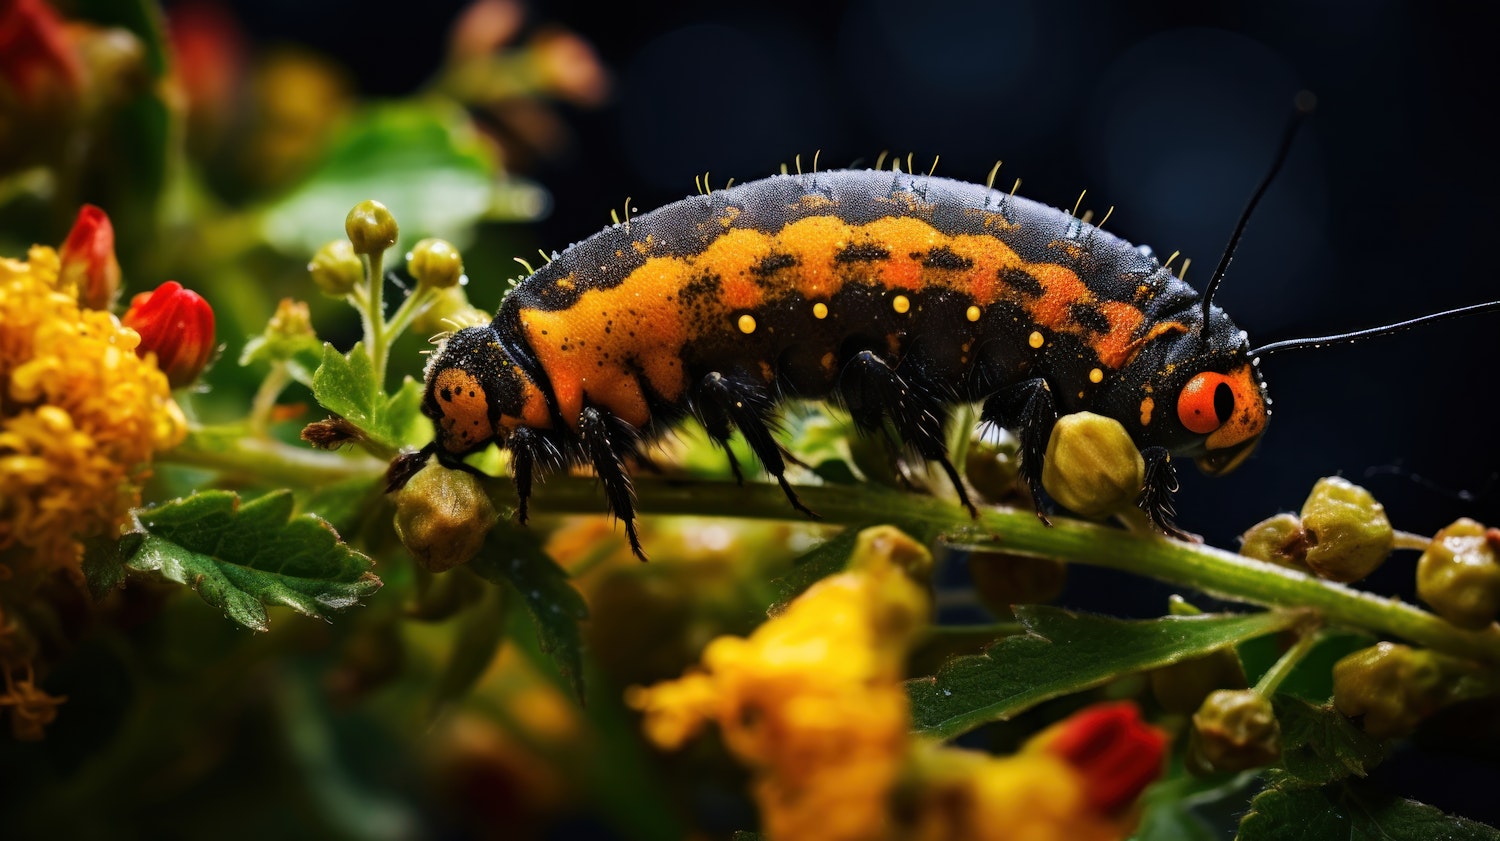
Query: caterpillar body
[{"x": 900, "y": 296}]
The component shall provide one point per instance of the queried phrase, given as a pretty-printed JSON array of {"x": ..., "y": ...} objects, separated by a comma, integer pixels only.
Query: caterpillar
[{"x": 899, "y": 296}]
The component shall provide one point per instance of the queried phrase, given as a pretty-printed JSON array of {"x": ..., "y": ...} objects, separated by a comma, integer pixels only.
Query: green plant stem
[
  {"x": 375, "y": 334},
  {"x": 408, "y": 311},
  {"x": 1287, "y": 663},
  {"x": 270, "y": 461},
  {"x": 259, "y": 419},
  {"x": 1201, "y": 567}
]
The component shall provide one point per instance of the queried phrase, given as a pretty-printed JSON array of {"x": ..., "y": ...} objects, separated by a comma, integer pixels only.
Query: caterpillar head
[
  {"x": 477, "y": 393},
  {"x": 1196, "y": 394}
]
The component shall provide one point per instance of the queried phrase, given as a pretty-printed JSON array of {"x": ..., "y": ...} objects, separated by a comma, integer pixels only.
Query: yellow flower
[
  {"x": 812, "y": 701},
  {"x": 80, "y": 418}
]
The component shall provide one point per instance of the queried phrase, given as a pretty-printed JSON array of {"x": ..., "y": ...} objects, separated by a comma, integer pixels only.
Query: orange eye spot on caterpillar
[
  {"x": 1096, "y": 375},
  {"x": 972, "y": 313},
  {"x": 820, "y": 310},
  {"x": 1036, "y": 339},
  {"x": 1205, "y": 403},
  {"x": 901, "y": 304},
  {"x": 746, "y": 324}
]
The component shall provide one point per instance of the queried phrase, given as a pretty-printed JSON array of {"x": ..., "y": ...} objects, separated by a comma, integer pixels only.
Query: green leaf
[
  {"x": 102, "y": 570},
  {"x": 513, "y": 556},
  {"x": 423, "y": 160},
  {"x": 1167, "y": 807},
  {"x": 1320, "y": 746},
  {"x": 821, "y": 561},
  {"x": 345, "y": 385},
  {"x": 1063, "y": 653},
  {"x": 1353, "y": 813},
  {"x": 244, "y": 557}
]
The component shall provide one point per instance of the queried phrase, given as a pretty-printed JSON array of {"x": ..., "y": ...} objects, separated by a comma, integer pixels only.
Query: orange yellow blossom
[
  {"x": 81, "y": 416},
  {"x": 813, "y": 703}
]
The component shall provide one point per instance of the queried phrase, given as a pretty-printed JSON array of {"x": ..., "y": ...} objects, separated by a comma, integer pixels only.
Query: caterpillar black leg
[
  {"x": 872, "y": 389},
  {"x": 604, "y": 447},
  {"x": 716, "y": 422},
  {"x": 1156, "y": 493},
  {"x": 1028, "y": 408},
  {"x": 745, "y": 407}
]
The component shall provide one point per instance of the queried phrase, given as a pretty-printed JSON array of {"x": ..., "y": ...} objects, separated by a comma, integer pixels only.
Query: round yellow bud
[
  {"x": 1092, "y": 467},
  {"x": 435, "y": 263},
  {"x": 1279, "y": 540},
  {"x": 1459, "y": 575},
  {"x": 371, "y": 227},
  {"x": 1234, "y": 730},
  {"x": 1392, "y": 686},
  {"x": 336, "y": 269},
  {"x": 442, "y": 516},
  {"x": 1348, "y": 535}
]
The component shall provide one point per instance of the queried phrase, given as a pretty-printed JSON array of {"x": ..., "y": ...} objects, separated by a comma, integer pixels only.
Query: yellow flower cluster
[
  {"x": 80, "y": 418},
  {"x": 813, "y": 703}
]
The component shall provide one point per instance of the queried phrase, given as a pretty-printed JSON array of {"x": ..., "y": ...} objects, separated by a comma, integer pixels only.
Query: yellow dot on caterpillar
[
  {"x": 820, "y": 310},
  {"x": 1096, "y": 376},
  {"x": 747, "y": 323},
  {"x": 901, "y": 303},
  {"x": 1036, "y": 339},
  {"x": 973, "y": 313}
]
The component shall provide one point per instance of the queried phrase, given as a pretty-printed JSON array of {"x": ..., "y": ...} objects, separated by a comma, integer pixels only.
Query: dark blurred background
[{"x": 1170, "y": 112}]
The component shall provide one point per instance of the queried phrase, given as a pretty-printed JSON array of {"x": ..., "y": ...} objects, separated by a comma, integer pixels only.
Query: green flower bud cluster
[
  {"x": 1092, "y": 467},
  {"x": 435, "y": 263},
  {"x": 1459, "y": 574},
  {"x": 336, "y": 269},
  {"x": 442, "y": 516},
  {"x": 1343, "y": 534},
  {"x": 1234, "y": 730}
]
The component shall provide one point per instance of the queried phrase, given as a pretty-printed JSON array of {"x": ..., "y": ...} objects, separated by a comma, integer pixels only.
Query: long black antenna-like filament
[
  {"x": 1357, "y": 335},
  {"x": 1302, "y": 106}
]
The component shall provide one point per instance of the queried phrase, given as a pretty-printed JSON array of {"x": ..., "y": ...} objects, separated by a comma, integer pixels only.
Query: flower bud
[
  {"x": 435, "y": 263},
  {"x": 1279, "y": 540},
  {"x": 88, "y": 260},
  {"x": 176, "y": 325},
  {"x": 292, "y": 319},
  {"x": 1116, "y": 753},
  {"x": 1182, "y": 687},
  {"x": 442, "y": 516},
  {"x": 1002, "y": 579},
  {"x": 1092, "y": 467},
  {"x": 991, "y": 465},
  {"x": 1348, "y": 534},
  {"x": 336, "y": 269},
  {"x": 371, "y": 227},
  {"x": 1234, "y": 730},
  {"x": 1393, "y": 686},
  {"x": 1459, "y": 574}
]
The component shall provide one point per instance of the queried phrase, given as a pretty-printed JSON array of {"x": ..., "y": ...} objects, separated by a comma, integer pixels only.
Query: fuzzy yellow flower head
[
  {"x": 812, "y": 701},
  {"x": 80, "y": 417}
]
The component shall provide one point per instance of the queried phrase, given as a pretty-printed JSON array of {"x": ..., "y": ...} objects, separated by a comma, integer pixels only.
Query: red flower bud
[
  {"x": 88, "y": 259},
  {"x": 177, "y": 325},
  {"x": 1117, "y": 754}
]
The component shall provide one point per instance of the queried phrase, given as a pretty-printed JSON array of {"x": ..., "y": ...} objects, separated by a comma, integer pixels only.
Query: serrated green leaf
[
  {"x": 513, "y": 556},
  {"x": 1063, "y": 653},
  {"x": 242, "y": 558},
  {"x": 1320, "y": 746},
  {"x": 1352, "y": 813},
  {"x": 345, "y": 385},
  {"x": 421, "y": 159}
]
